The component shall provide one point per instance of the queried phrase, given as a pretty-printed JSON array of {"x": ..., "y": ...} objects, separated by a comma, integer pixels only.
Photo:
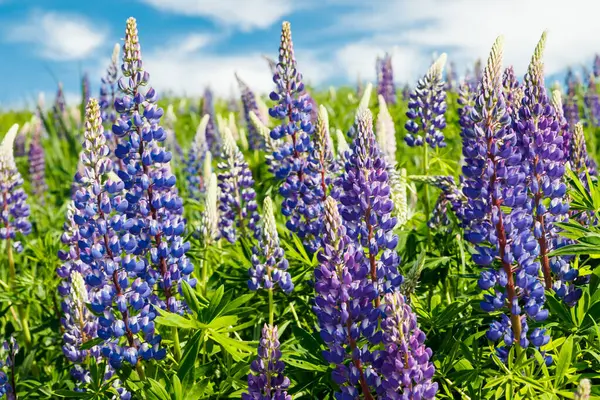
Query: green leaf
[
  {"x": 157, "y": 391},
  {"x": 170, "y": 319},
  {"x": 190, "y": 355},
  {"x": 235, "y": 304},
  {"x": 190, "y": 297},
  {"x": 211, "y": 312},
  {"x": 564, "y": 361},
  {"x": 91, "y": 343},
  {"x": 177, "y": 389}
]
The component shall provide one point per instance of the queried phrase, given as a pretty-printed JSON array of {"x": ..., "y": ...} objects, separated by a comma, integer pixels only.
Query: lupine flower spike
[
  {"x": 9, "y": 348},
  {"x": 209, "y": 227},
  {"x": 250, "y": 104},
  {"x": 426, "y": 108},
  {"x": 195, "y": 160},
  {"x": 213, "y": 138},
  {"x": 267, "y": 380},
  {"x": 498, "y": 215},
  {"x": 237, "y": 204},
  {"x": 584, "y": 389},
  {"x": 37, "y": 163},
  {"x": 271, "y": 145},
  {"x": 301, "y": 189},
  {"x": 269, "y": 265},
  {"x": 385, "y": 81},
  {"x": 322, "y": 159}
]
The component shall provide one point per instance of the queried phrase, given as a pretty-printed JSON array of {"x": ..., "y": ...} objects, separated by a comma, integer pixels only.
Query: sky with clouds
[{"x": 188, "y": 44}]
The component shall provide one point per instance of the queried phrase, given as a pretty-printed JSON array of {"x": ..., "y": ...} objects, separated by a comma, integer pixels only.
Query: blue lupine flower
[
  {"x": 249, "y": 102},
  {"x": 406, "y": 368},
  {"x": 513, "y": 93},
  {"x": 267, "y": 380},
  {"x": 37, "y": 163},
  {"x": 269, "y": 265},
  {"x": 237, "y": 203},
  {"x": 344, "y": 307},
  {"x": 592, "y": 101},
  {"x": 427, "y": 107},
  {"x": 499, "y": 212},
  {"x": 213, "y": 138},
  {"x": 301, "y": 189},
  {"x": 13, "y": 199},
  {"x": 385, "y": 79},
  {"x": 195, "y": 160},
  {"x": 366, "y": 207},
  {"x": 9, "y": 348}
]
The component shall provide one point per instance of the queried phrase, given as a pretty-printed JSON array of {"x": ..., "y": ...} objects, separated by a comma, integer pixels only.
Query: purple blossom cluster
[
  {"x": 249, "y": 103},
  {"x": 301, "y": 187},
  {"x": 13, "y": 199},
  {"x": 385, "y": 79},
  {"x": 237, "y": 201},
  {"x": 195, "y": 160},
  {"x": 213, "y": 139},
  {"x": 9, "y": 348},
  {"x": 269, "y": 265},
  {"x": 37, "y": 162},
  {"x": 592, "y": 101},
  {"x": 570, "y": 105},
  {"x": 426, "y": 109},
  {"x": 451, "y": 196},
  {"x": 267, "y": 380},
  {"x": 499, "y": 215}
]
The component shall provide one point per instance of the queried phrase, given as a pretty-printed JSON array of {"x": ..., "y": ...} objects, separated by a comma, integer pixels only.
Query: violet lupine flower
[
  {"x": 596, "y": 67},
  {"x": 366, "y": 206},
  {"x": 60, "y": 103},
  {"x": 171, "y": 143},
  {"x": 406, "y": 92},
  {"x": 108, "y": 90},
  {"x": 322, "y": 161},
  {"x": 267, "y": 380},
  {"x": 13, "y": 199},
  {"x": 195, "y": 160},
  {"x": 451, "y": 77},
  {"x": 466, "y": 100},
  {"x": 344, "y": 307},
  {"x": 499, "y": 218},
  {"x": 539, "y": 129},
  {"x": 300, "y": 189},
  {"x": 250, "y": 105},
  {"x": 22, "y": 137},
  {"x": 154, "y": 208},
  {"x": 565, "y": 131},
  {"x": 406, "y": 369},
  {"x": 426, "y": 108},
  {"x": 513, "y": 94},
  {"x": 269, "y": 265},
  {"x": 451, "y": 195},
  {"x": 237, "y": 199},
  {"x": 570, "y": 105},
  {"x": 9, "y": 348},
  {"x": 85, "y": 88},
  {"x": 385, "y": 79},
  {"x": 272, "y": 64},
  {"x": 581, "y": 163},
  {"x": 37, "y": 163},
  {"x": 592, "y": 102},
  {"x": 213, "y": 138}
]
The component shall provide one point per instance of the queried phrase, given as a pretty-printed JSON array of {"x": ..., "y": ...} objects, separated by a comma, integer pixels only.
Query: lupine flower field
[{"x": 434, "y": 241}]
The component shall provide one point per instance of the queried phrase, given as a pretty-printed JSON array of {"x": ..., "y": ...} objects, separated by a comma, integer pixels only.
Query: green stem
[
  {"x": 11, "y": 264},
  {"x": 426, "y": 170},
  {"x": 176, "y": 345},
  {"x": 12, "y": 282},
  {"x": 271, "y": 310},
  {"x": 140, "y": 371},
  {"x": 204, "y": 266}
]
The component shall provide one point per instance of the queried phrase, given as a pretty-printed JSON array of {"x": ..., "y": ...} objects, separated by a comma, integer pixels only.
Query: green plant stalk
[
  {"x": 176, "y": 345},
  {"x": 21, "y": 311},
  {"x": 426, "y": 170},
  {"x": 204, "y": 267},
  {"x": 271, "y": 309},
  {"x": 140, "y": 371}
]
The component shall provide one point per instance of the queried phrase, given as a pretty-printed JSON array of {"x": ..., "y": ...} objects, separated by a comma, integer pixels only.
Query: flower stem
[
  {"x": 21, "y": 311},
  {"x": 176, "y": 345},
  {"x": 271, "y": 310},
  {"x": 426, "y": 170},
  {"x": 140, "y": 371},
  {"x": 204, "y": 267}
]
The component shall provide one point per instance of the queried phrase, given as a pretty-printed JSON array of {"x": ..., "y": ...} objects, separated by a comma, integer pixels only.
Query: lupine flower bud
[
  {"x": 271, "y": 145},
  {"x": 37, "y": 163},
  {"x": 237, "y": 205},
  {"x": 213, "y": 139},
  {"x": 385, "y": 80},
  {"x": 210, "y": 216},
  {"x": 195, "y": 160},
  {"x": 584, "y": 389},
  {"x": 581, "y": 162},
  {"x": 269, "y": 265},
  {"x": 267, "y": 381},
  {"x": 322, "y": 161},
  {"x": 301, "y": 190},
  {"x": 342, "y": 149},
  {"x": 427, "y": 107},
  {"x": 565, "y": 131},
  {"x": 13, "y": 199},
  {"x": 406, "y": 370}
]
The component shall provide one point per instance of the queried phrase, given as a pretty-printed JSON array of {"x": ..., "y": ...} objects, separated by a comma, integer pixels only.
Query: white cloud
[
  {"x": 58, "y": 36},
  {"x": 466, "y": 29},
  {"x": 188, "y": 67},
  {"x": 242, "y": 14}
]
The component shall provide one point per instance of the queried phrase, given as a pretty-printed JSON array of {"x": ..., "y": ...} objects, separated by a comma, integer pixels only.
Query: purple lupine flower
[
  {"x": 406, "y": 93},
  {"x": 466, "y": 100},
  {"x": 452, "y": 82},
  {"x": 272, "y": 64},
  {"x": 22, "y": 138},
  {"x": 267, "y": 380},
  {"x": 596, "y": 67},
  {"x": 322, "y": 161},
  {"x": 301, "y": 189},
  {"x": 451, "y": 195},
  {"x": 570, "y": 105},
  {"x": 366, "y": 206},
  {"x": 195, "y": 160},
  {"x": 37, "y": 164},
  {"x": 85, "y": 88},
  {"x": 108, "y": 90},
  {"x": 406, "y": 369},
  {"x": 385, "y": 79},
  {"x": 269, "y": 265},
  {"x": 171, "y": 143},
  {"x": 344, "y": 307},
  {"x": 592, "y": 102},
  {"x": 540, "y": 131},
  {"x": 565, "y": 132},
  {"x": 250, "y": 105},
  {"x": 426, "y": 108},
  {"x": 498, "y": 212},
  {"x": 9, "y": 348},
  {"x": 213, "y": 139},
  {"x": 60, "y": 103},
  {"x": 271, "y": 145},
  {"x": 581, "y": 163},
  {"x": 13, "y": 199},
  {"x": 237, "y": 202},
  {"x": 513, "y": 94}
]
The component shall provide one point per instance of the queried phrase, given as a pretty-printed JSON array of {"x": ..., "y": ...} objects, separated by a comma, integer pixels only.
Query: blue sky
[{"x": 188, "y": 44}]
